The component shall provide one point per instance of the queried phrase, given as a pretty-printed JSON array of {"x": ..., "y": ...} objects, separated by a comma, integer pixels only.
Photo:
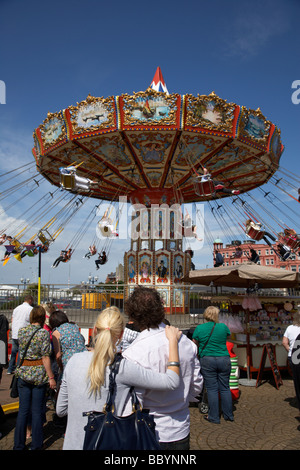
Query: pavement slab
[{"x": 265, "y": 419}]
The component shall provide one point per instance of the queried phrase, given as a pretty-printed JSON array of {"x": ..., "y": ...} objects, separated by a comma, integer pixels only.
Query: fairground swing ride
[{"x": 158, "y": 151}]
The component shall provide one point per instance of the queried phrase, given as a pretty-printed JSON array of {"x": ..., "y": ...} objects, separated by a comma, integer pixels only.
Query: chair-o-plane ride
[{"x": 160, "y": 150}]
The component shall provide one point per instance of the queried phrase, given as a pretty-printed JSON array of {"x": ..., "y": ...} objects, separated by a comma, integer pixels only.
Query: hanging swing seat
[
  {"x": 31, "y": 253},
  {"x": 31, "y": 250},
  {"x": 106, "y": 228},
  {"x": 204, "y": 188},
  {"x": 10, "y": 248},
  {"x": 68, "y": 181},
  {"x": 18, "y": 245},
  {"x": 45, "y": 237},
  {"x": 291, "y": 242},
  {"x": 15, "y": 247},
  {"x": 254, "y": 233}
]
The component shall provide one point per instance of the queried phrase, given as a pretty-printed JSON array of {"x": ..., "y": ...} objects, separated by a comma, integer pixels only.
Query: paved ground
[{"x": 265, "y": 419}]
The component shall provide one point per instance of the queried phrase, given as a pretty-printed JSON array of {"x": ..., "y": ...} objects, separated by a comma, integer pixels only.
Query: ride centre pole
[{"x": 39, "y": 277}]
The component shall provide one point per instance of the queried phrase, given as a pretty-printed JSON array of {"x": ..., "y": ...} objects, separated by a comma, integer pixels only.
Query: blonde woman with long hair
[{"x": 85, "y": 381}]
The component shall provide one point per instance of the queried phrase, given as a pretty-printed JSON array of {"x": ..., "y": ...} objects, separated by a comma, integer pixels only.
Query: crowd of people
[{"x": 167, "y": 369}]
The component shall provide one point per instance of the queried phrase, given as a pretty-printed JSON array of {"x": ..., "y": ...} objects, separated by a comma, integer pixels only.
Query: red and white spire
[{"x": 158, "y": 83}]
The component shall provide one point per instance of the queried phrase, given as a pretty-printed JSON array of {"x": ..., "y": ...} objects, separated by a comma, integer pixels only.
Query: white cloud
[{"x": 254, "y": 26}]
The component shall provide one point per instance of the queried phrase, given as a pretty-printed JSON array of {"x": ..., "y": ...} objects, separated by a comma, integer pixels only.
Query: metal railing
[{"x": 83, "y": 304}]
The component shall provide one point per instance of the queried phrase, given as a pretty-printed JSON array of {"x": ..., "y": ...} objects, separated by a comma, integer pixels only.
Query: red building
[
  {"x": 267, "y": 255},
  {"x": 111, "y": 278}
]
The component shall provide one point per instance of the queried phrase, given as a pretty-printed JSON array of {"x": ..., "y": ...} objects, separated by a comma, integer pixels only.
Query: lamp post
[
  {"x": 24, "y": 282},
  {"x": 92, "y": 280}
]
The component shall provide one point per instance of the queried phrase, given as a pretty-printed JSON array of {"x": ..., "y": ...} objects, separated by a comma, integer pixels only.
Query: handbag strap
[
  {"x": 114, "y": 369},
  {"x": 27, "y": 346},
  {"x": 207, "y": 339}
]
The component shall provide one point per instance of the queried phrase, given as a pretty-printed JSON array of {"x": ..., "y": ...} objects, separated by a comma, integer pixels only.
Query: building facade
[{"x": 267, "y": 255}]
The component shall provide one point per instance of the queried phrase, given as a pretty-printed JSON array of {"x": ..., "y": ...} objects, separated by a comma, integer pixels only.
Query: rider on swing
[
  {"x": 218, "y": 185},
  {"x": 101, "y": 260}
]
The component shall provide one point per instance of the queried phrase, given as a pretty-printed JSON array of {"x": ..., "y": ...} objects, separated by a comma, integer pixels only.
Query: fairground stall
[{"x": 255, "y": 318}]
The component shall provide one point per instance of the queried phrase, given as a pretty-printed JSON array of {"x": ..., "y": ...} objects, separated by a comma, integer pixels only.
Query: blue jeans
[
  {"x": 216, "y": 373},
  {"x": 31, "y": 404},
  {"x": 14, "y": 352}
]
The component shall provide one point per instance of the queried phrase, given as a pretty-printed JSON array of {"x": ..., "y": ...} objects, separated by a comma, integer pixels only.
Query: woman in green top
[{"x": 211, "y": 338}]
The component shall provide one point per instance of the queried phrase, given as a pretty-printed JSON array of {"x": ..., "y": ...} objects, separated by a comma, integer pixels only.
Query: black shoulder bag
[
  {"x": 106, "y": 431},
  {"x": 14, "y": 392}
]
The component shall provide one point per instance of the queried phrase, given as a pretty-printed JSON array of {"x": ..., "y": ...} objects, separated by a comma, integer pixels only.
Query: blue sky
[{"x": 52, "y": 55}]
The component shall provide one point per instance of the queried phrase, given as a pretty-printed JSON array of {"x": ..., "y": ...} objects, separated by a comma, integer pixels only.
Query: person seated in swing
[
  {"x": 10, "y": 243},
  {"x": 218, "y": 185},
  {"x": 65, "y": 255},
  {"x": 7, "y": 253},
  {"x": 191, "y": 253},
  {"x": 33, "y": 250},
  {"x": 3, "y": 238},
  {"x": 43, "y": 247},
  {"x": 219, "y": 260},
  {"x": 284, "y": 251},
  {"x": 238, "y": 253},
  {"x": 254, "y": 258},
  {"x": 259, "y": 232},
  {"x": 189, "y": 229},
  {"x": 59, "y": 259},
  {"x": 291, "y": 238},
  {"x": 101, "y": 260},
  {"x": 79, "y": 181},
  {"x": 290, "y": 232},
  {"x": 206, "y": 176},
  {"x": 185, "y": 223},
  {"x": 92, "y": 251}
]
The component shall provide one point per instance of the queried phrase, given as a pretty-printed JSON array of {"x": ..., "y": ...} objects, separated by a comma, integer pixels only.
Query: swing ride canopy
[
  {"x": 244, "y": 275},
  {"x": 151, "y": 144}
]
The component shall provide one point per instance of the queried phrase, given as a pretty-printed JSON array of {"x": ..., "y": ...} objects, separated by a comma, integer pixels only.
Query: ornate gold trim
[
  {"x": 200, "y": 108},
  {"x": 44, "y": 131},
  {"x": 262, "y": 137},
  {"x": 142, "y": 102},
  {"x": 90, "y": 101}
]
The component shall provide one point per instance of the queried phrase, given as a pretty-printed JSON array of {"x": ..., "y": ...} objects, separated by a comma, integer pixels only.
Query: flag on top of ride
[{"x": 158, "y": 83}]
